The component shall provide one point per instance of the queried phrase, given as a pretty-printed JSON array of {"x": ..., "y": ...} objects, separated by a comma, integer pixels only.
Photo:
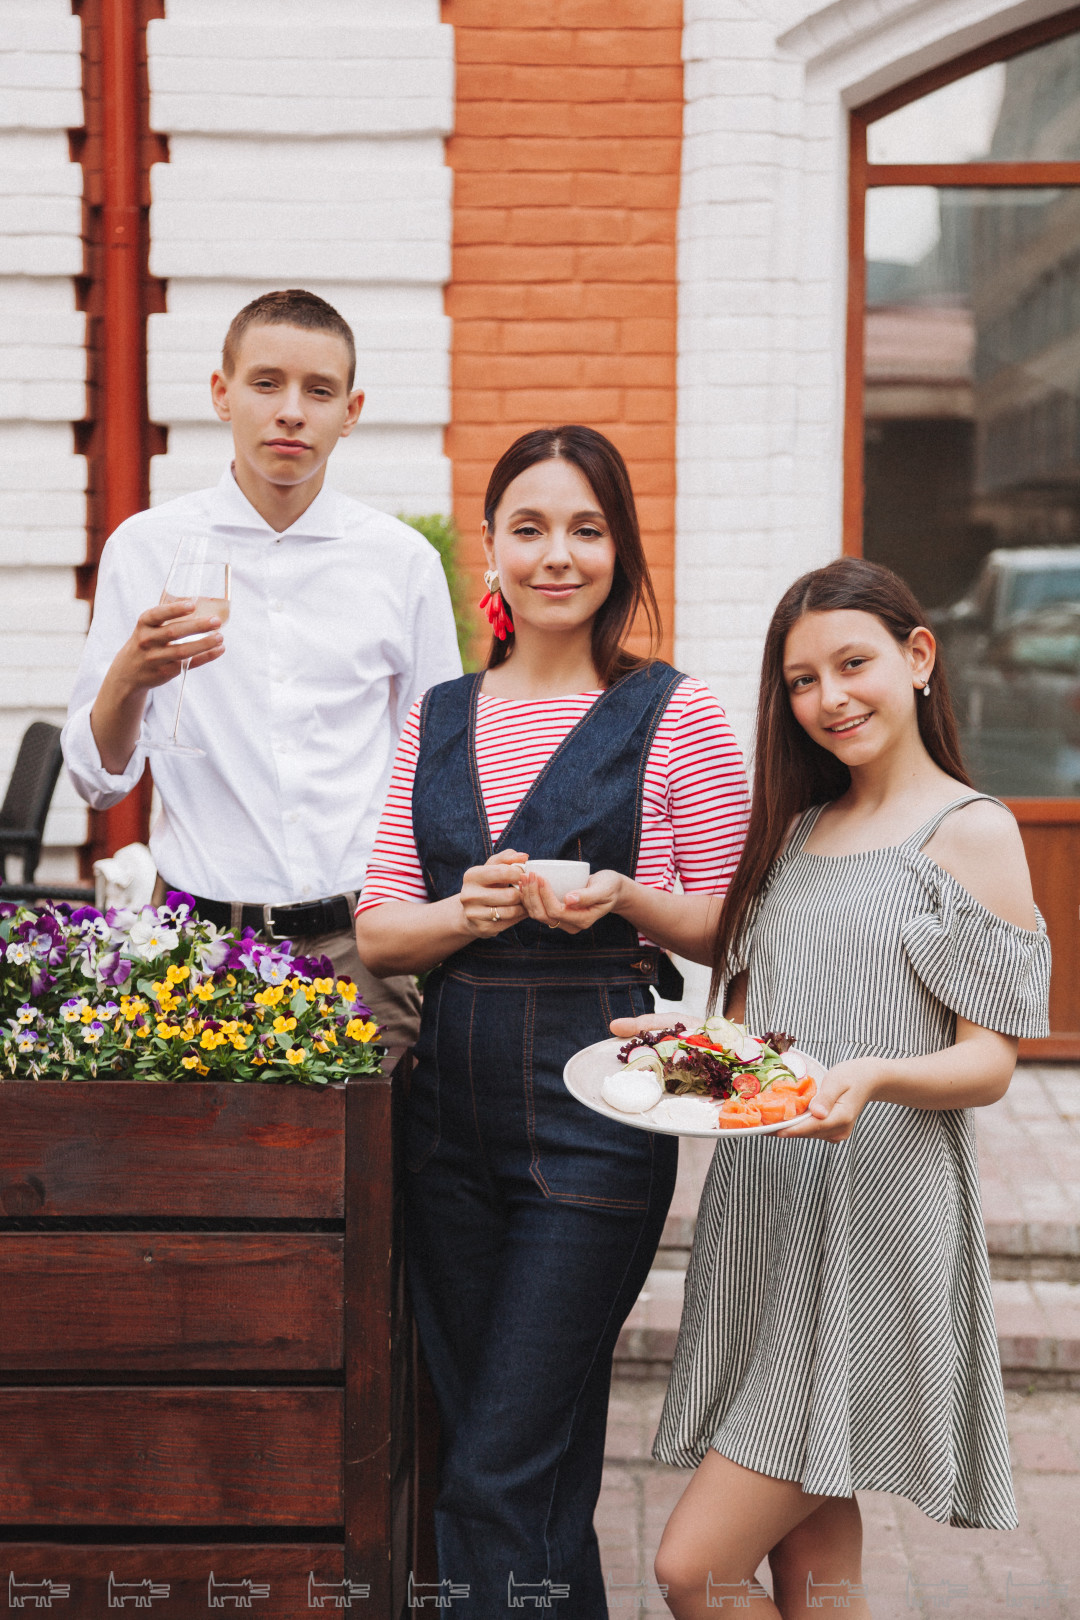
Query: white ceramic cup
[{"x": 564, "y": 876}]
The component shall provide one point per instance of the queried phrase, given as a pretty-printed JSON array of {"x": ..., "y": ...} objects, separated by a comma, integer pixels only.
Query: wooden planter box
[{"x": 205, "y": 1354}]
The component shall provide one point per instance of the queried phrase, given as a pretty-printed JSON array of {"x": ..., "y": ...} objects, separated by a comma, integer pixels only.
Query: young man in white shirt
[{"x": 339, "y": 618}]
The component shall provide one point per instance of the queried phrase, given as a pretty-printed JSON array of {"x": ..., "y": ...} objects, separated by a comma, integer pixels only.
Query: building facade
[{"x": 634, "y": 213}]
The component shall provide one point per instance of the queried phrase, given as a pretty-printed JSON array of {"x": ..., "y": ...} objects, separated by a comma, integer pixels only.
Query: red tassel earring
[{"x": 495, "y": 607}]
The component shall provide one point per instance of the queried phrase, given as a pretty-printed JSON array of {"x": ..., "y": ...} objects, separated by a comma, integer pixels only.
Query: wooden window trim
[{"x": 1063, "y": 1045}]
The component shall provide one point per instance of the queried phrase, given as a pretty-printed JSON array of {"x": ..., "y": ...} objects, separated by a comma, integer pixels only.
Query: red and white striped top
[{"x": 695, "y": 804}]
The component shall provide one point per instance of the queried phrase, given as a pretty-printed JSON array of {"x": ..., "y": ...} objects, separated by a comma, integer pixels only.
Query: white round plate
[{"x": 587, "y": 1070}]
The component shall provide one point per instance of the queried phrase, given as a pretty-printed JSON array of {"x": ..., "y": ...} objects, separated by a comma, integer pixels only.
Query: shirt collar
[{"x": 231, "y": 509}]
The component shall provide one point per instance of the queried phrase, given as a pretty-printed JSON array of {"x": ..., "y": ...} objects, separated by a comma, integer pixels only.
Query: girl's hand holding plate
[{"x": 838, "y": 1102}]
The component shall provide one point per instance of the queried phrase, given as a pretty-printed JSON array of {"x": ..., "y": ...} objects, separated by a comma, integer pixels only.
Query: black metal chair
[
  {"x": 29, "y": 794},
  {"x": 23, "y": 813}
]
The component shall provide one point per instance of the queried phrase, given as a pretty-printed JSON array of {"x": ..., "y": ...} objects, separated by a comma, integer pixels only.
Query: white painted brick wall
[
  {"x": 42, "y": 391},
  {"x": 306, "y": 156}
]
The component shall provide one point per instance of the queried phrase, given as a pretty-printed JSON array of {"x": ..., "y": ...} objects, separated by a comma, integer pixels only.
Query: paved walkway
[{"x": 912, "y": 1565}]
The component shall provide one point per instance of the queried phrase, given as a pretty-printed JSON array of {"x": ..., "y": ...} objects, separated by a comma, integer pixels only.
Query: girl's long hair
[
  {"x": 604, "y": 469},
  {"x": 791, "y": 772}
]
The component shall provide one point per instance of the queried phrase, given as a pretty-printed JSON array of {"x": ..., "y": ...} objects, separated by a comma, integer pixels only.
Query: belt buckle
[{"x": 268, "y": 923}]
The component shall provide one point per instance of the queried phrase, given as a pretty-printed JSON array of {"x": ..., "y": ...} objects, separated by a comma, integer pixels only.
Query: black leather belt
[{"x": 333, "y": 915}]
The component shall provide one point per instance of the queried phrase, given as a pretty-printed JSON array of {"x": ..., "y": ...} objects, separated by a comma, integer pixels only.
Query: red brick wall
[{"x": 566, "y": 157}]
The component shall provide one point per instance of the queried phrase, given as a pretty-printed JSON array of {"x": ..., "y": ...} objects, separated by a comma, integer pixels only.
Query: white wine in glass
[{"x": 200, "y": 573}]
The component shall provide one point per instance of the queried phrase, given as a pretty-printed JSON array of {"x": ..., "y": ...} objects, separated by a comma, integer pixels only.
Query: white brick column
[
  {"x": 42, "y": 392},
  {"x": 306, "y": 152}
]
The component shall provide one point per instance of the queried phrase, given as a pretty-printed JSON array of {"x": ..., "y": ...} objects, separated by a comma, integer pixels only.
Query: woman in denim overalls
[{"x": 531, "y": 1221}]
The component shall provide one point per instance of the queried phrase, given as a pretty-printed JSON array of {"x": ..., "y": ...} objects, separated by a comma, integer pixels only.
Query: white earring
[
  {"x": 926, "y": 688},
  {"x": 491, "y": 580}
]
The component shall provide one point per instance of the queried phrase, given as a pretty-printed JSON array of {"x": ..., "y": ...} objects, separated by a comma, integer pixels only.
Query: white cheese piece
[{"x": 631, "y": 1091}]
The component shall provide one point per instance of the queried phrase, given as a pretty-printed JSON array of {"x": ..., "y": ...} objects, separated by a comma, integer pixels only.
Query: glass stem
[{"x": 185, "y": 666}]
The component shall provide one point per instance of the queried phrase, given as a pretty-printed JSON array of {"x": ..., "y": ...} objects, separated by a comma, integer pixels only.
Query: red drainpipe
[{"x": 116, "y": 149}]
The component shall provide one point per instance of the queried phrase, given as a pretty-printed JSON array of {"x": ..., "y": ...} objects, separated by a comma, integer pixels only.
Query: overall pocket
[{"x": 578, "y": 1156}]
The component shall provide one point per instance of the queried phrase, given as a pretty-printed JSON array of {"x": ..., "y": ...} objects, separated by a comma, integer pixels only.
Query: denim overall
[{"x": 531, "y": 1221}]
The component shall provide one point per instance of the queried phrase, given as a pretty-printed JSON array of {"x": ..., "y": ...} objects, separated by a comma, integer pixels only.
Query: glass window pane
[
  {"x": 1026, "y": 109},
  {"x": 972, "y": 461}
]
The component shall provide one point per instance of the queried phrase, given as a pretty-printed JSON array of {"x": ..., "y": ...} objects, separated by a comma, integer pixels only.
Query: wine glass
[{"x": 200, "y": 572}]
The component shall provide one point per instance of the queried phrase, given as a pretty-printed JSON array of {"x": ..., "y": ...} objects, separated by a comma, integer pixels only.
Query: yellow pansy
[
  {"x": 295, "y": 1054},
  {"x": 321, "y": 1046},
  {"x": 209, "y": 1040},
  {"x": 330, "y": 1035},
  {"x": 143, "y": 1031},
  {"x": 190, "y": 1062},
  {"x": 270, "y": 996},
  {"x": 323, "y": 986},
  {"x": 346, "y": 989},
  {"x": 88, "y": 1015},
  {"x": 167, "y": 1031},
  {"x": 283, "y": 1025},
  {"x": 177, "y": 975},
  {"x": 203, "y": 1069},
  {"x": 230, "y": 980},
  {"x": 309, "y": 993},
  {"x": 259, "y": 1057},
  {"x": 357, "y": 1030},
  {"x": 189, "y": 1030},
  {"x": 247, "y": 1028},
  {"x": 204, "y": 992},
  {"x": 239, "y": 1043}
]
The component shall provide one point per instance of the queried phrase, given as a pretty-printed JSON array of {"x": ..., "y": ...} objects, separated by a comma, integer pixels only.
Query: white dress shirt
[{"x": 336, "y": 626}]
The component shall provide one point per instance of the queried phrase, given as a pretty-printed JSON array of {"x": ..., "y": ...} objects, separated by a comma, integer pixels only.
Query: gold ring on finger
[{"x": 495, "y": 914}]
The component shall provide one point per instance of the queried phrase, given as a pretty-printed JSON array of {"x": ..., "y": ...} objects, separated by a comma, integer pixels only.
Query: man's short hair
[{"x": 294, "y": 307}]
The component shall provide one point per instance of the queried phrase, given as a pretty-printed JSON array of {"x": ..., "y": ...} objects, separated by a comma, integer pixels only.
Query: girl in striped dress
[
  {"x": 531, "y": 1223},
  {"x": 838, "y": 1330}
]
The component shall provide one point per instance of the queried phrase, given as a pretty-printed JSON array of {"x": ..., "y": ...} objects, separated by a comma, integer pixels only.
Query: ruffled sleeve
[{"x": 982, "y": 968}]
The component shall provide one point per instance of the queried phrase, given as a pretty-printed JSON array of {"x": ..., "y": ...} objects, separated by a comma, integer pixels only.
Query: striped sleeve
[
  {"x": 695, "y": 801},
  {"x": 394, "y": 871}
]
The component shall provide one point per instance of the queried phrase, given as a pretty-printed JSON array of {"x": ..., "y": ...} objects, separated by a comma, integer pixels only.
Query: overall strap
[{"x": 929, "y": 828}]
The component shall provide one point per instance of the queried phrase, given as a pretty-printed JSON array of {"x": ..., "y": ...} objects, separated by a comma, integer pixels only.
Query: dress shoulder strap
[
  {"x": 924, "y": 834},
  {"x": 801, "y": 831}
]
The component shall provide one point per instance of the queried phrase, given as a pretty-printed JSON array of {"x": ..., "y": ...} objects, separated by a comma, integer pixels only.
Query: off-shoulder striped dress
[{"x": 838, "y": 1327}]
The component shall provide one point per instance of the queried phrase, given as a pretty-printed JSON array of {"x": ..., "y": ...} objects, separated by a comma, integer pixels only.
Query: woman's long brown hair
[
  {"x": 791, "y": 772},
  {"x": 604, "y": 469}
]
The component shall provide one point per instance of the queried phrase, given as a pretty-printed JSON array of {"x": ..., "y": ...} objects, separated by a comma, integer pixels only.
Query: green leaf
[
  {"x": 284, "y": 1038},
  {"x": 298, "y": 1006}
]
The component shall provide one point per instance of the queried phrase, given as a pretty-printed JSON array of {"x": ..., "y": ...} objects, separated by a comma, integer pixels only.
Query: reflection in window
[
  {"x": 972, "y": 407},
  {"x": 1026, "y": 109}
]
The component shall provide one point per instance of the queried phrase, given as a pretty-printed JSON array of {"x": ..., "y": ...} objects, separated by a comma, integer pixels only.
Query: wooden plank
[
  {"x": 128, "y": 1148},
  {"x": 301, "y": 1577},
  {"x": 1053, "y": 852},
  {"x": 188, "y": 1456},
  {"x": 156, "y": 1301},
  {"x": 1043, "y": 812},
  {"x": 973, "y": 174},
  {"x": 378, "y": 1345}
]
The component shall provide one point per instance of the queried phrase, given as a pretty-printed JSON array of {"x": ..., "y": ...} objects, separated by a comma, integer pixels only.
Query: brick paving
[{"x": 911, "y": 1564}]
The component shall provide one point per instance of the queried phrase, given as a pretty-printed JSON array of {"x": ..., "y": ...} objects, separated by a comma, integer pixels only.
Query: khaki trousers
[{"x": 394, "y": 1002}]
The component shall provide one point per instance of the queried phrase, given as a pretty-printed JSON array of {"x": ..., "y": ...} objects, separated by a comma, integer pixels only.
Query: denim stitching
[{"x": 596, "y": 1351}]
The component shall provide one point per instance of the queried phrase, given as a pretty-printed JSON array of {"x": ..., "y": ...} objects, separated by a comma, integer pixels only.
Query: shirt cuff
[{"x": 100, "y": 788}]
